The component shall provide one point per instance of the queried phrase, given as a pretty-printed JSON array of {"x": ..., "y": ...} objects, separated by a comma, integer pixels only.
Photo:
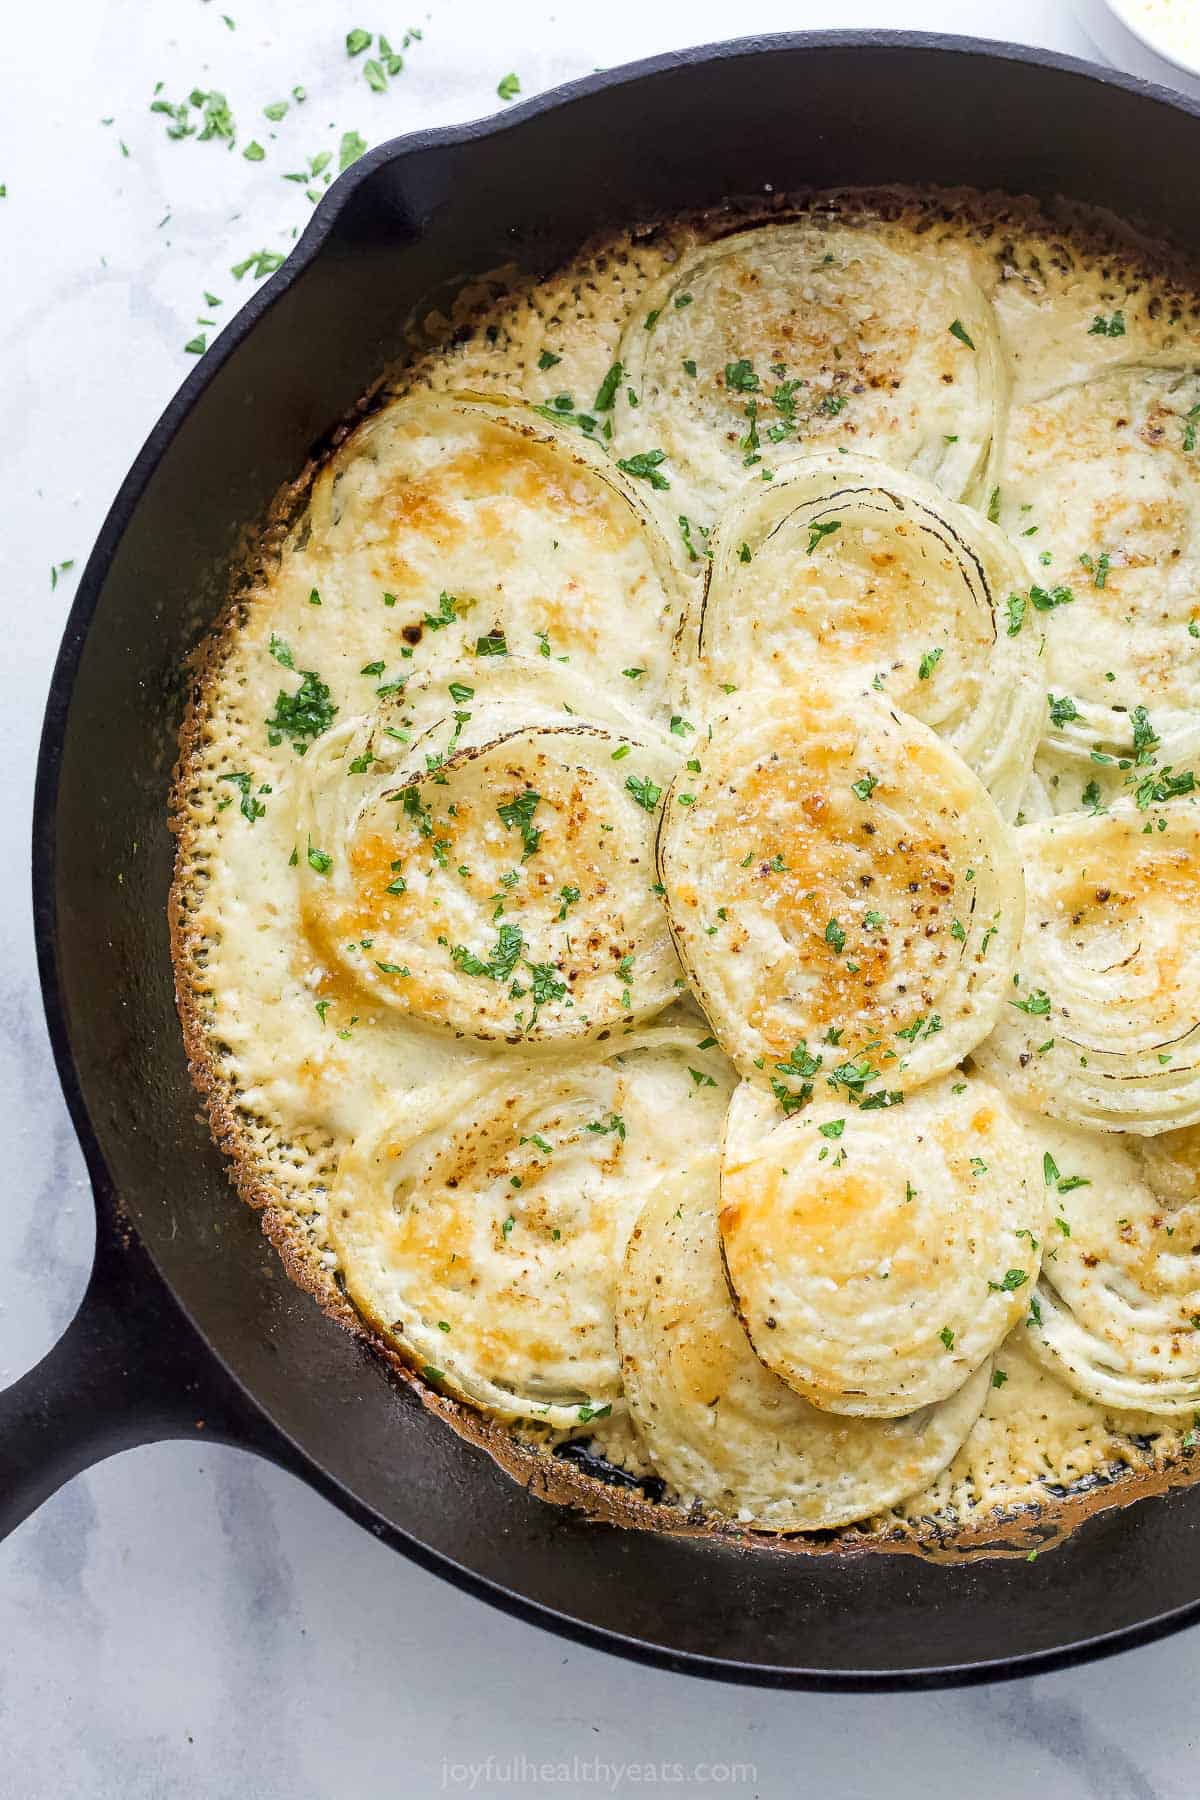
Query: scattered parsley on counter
[{"x": 351, "y": 148}]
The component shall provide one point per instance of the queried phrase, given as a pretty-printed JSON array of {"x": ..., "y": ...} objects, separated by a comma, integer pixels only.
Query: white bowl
[{"x": 1133, "y": 42}]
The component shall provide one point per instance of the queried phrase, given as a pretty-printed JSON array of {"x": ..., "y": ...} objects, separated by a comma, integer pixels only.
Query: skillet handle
[{"x": 129, "y": 1369}]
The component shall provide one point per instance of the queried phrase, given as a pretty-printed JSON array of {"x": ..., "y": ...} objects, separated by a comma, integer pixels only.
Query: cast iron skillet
[{"x": 189, "y": 1323}]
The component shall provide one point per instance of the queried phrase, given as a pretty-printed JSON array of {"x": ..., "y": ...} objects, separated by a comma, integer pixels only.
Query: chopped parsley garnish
[
  {"x": 1097, "y": 567},
  {"x": 260, "y": 263},
  {"x": 216, "y": 120},
  {"x": 1046, "y": 602},
  {"x": 685, "y": 531},
  {"x": 1163, "y": 786},
  {"x": 1112, "y": 327},
  {"x": 352, "y": 147},
  {"x": 518, "y": 814},
  {"x": 922, "y": 1026},
  {"x": 607, "y": 391},
  {"x": 302, "y": 715},
  {"x": 947, "y": 1337},
  {"x": 817, "y": 532},
  {"x": 559, "y": 412},
  {"x": 1145, "y": 738},
  {"x": 865, "y": 787},
  {"x": 1014, "y": 1279},
  {"x": 1015, "y": 606},
  {"x": 1062, "y": 710},
  {"x": 645, "y": 466},
  {"x": 800, "y": 1067},
  {"x": 740, "y": 377},
  {"x": 1036, "y": 1004},
  {"x": 499, "y": 966},
  {"x": 614, "y": 1123},
  {"x": 929, "y": 663},
  {"x": 447, "y": 612},
  {"x": 959, "y": 331},
  {"x": 319, "y": 861},
  {"x": 647, "y": 793},
  {"x": 251, "y": 807},
  {"x": 836, "y": 936},
  {"x": 493, "y": 644},
  {"x": 545, "y": 986}
]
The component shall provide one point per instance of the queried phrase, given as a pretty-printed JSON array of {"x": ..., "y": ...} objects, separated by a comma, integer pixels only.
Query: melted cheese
[
  {"x": 462, "y": 539},
  {"x": 878, "y": 1258},
  {"x": 837, "y": 876}
]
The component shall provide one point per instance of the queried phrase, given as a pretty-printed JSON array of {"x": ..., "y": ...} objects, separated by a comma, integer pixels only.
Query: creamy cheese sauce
[{"x": 355, "y": 966}]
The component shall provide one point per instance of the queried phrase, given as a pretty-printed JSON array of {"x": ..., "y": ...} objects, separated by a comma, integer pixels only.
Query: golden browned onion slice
[
  {"x": 480, "y": 1226},
  {"x": 1100, "y": 486},
  {"x": 808, "y": 333},
  {"x": 842, "y": 892},
  {"x": 492, "y": 876},
  {"x": 1103, "y": 1026},
  {"x": 719, "y": 1426},
  {"x": 462, "y": 525},
  {"x": 1117, "y": 1309},
  {"x": 844, "y": 566},
  {"x": 878, "y": 1259},
  {"x": 1091, "y": 757}
]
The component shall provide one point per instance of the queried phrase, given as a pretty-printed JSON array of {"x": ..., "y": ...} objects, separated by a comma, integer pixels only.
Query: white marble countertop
[{"x": 184, "y": 1619}]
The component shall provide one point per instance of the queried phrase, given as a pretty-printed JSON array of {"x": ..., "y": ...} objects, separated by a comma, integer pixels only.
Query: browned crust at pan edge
[{"x": 1123, "y": 257}]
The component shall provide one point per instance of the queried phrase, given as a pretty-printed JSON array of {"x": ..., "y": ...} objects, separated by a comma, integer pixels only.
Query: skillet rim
[{"x": 65, "y": 671}]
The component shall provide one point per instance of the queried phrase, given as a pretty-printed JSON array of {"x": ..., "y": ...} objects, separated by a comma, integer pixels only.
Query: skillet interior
[{"x": 806, "y": 111}]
